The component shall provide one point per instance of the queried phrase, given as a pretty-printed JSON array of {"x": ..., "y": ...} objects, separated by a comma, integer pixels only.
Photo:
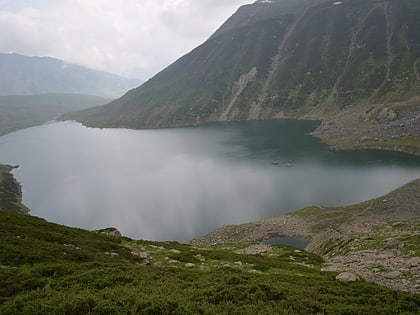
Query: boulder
[
  {"x": 392, "y": 243},
  {"x": 110, "y": 232},
  {"x": 347, "y": 277},
  {"x": 393, "y": 274}
]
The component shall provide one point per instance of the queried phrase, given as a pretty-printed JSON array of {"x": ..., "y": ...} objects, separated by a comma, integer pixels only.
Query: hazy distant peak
[{"x": 25, "y": 75}]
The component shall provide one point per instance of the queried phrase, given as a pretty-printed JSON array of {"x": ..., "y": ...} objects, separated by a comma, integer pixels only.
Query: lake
[{"x": 175, "y": 184}]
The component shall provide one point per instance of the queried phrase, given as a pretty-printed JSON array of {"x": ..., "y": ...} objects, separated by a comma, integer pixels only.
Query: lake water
[{"x": 175, "y": 184}]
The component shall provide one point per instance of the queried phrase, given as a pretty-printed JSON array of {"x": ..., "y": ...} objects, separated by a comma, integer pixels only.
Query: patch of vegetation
[
  {"x": 10, "y": 192},
  {"x": 49, "y": 268},
  {"x": 404, "y": 142},
  {"x": 411, "y": 245}
]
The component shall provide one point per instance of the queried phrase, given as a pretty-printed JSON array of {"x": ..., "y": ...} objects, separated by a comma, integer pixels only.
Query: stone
[
  {"x": 392, "y": 243},
  {"x": 387, "y": 115},
  {"x": 393, "y": 274},
  {"x": 347, "y": 277},
  {"x": 254, "y": 271},
  {"x": 144, "y": 255},
  {"x": 239, "y": 263},
  {"x": 111, "y": 232},
  {"x": 189, "y": 265}
]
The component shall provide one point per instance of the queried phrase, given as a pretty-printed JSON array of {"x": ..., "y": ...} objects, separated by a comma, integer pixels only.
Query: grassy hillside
[
  {"x": 18, "y": 111},
  {"x": 377, "y": 239},
  {"x": 52, "y": 269}
]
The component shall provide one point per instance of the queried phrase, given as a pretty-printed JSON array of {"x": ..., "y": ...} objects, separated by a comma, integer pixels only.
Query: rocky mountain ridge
[{"x": 311, "y": 59}]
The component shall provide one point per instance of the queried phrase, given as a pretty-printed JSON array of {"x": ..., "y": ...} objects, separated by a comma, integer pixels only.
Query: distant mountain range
[
  {"x": 23, "y": 111},
  {"x": 357, "y": 60},
  {"x": 23, "y": 75}
]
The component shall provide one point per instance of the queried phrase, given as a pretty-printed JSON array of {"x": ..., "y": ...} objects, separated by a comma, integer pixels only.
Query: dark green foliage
[
  {"x": 47, "y": 268},
  {"x": 10, "y": 191}
]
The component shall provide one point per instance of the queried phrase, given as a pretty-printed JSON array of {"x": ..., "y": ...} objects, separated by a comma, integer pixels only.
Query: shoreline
[
  {"x": 377, "y": 239},
  {"x": 11, "y": 191},
  {"x": 343, "y": 132}
]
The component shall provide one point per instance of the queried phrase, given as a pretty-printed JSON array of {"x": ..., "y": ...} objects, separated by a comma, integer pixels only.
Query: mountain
[
  {"x": 23, "y": 75},
  {"x": 23, "y": 111},
  {"x": 356, "y": 62}
]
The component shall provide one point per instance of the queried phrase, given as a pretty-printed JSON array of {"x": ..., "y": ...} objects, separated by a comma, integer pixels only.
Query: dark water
[
  {"x": 174, "y": 184},
  {"x": 287, "y": 240}
]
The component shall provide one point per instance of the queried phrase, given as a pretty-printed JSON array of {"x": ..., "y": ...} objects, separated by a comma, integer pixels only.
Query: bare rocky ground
[
  {"x": 378, "y": 240},
  {"x": 392, "y": 126}
]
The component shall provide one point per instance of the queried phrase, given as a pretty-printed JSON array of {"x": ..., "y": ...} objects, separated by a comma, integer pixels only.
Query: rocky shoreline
[
  {"x": 393, "y": 127},
  {"x": 378, "y": 240},
  {"x": 10, "y": 191}
]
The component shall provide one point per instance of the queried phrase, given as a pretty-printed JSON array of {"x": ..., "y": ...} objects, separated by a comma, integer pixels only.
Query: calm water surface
[{"x": 174, "y": 184}]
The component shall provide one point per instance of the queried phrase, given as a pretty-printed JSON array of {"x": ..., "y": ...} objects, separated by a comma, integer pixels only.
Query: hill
[
  {"x": 23, "y": 75},
  {"x": 23, "y": 111},
  {"x": 47, "y": 268},
  {"x": 377, "y": 239},
  {"x": 355, "y": 64}
]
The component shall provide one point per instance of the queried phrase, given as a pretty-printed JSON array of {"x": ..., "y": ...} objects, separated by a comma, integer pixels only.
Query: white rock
[
  {"x": 393, "y": 274},
  {"x": 347, "y": 277}
]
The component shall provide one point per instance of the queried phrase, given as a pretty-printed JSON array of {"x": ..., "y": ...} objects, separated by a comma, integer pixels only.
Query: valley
[
  {"x": 295, "y": 123},
  {"x": 50, "y": 268}
]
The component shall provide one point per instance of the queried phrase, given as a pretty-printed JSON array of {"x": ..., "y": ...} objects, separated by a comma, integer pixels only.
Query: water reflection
[{"x": 174, "y": 184}]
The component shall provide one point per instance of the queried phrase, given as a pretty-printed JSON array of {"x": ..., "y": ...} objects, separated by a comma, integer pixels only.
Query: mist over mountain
[
  {"x": 23, "y": 75},
  {"x": 283, "y": 57}
]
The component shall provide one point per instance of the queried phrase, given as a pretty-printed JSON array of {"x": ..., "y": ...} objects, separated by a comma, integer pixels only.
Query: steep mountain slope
[
  {"x": 308, "y": 58},
  {"x": 22, "y": 75}
]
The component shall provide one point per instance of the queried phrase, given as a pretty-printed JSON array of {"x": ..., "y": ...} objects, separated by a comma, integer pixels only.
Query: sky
[{"x": 133, "y": 38}]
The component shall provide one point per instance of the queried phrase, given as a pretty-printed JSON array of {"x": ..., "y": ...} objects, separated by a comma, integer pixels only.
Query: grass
[
  {"x": 47, "y": 268},
  {"x": 405, "y": 142}
]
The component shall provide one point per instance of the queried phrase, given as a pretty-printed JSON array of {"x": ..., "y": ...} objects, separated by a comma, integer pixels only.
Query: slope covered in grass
[{"x": 47, "y": 268}]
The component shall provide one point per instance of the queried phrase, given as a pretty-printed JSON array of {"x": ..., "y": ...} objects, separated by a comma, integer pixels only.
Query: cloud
[{"x": 132, "y": 38}]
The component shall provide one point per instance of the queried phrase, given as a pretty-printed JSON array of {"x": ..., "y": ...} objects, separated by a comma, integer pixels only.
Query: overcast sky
[{"x": 134, "y": 38}]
